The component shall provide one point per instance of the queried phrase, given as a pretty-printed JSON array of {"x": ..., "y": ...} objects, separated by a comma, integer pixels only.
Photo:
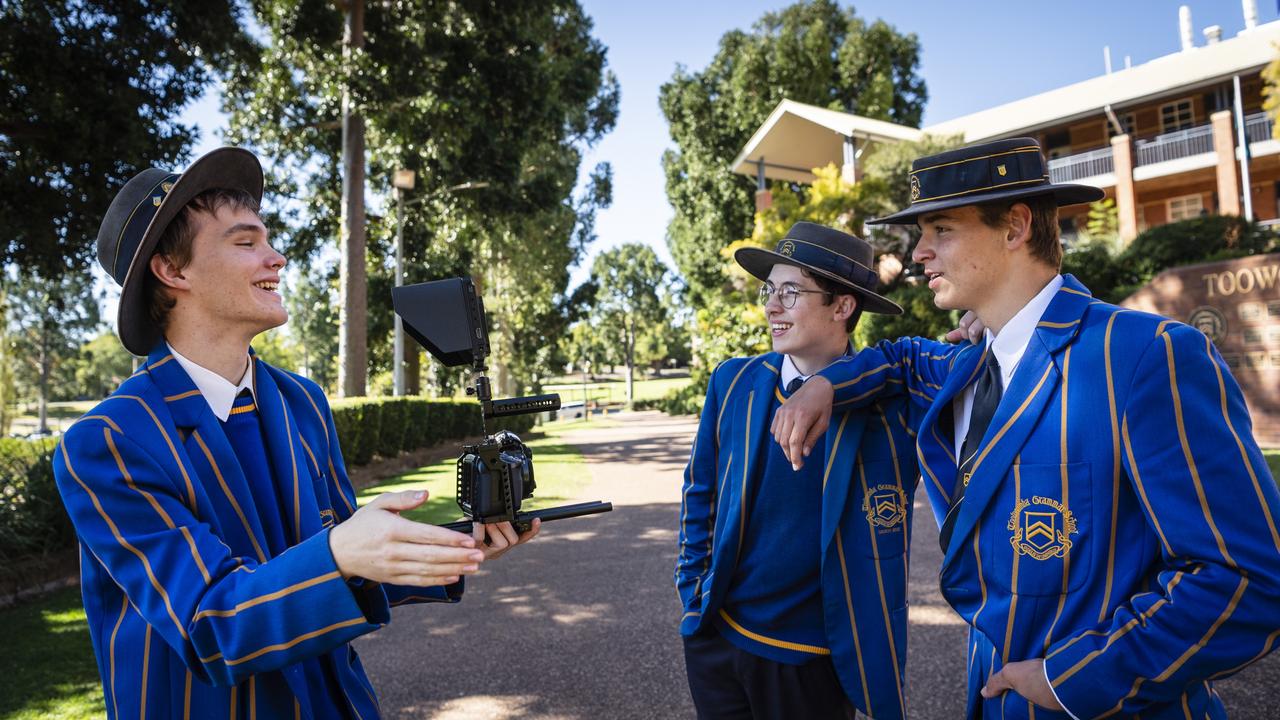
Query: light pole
[{"x": 404, "y": 180}]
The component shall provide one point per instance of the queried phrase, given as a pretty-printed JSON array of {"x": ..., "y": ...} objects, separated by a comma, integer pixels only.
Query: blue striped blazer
[
  {"x": 1120, "y": 521},
  {"x": 864, "y": 543},
  {"x": 190, "y": 612}
]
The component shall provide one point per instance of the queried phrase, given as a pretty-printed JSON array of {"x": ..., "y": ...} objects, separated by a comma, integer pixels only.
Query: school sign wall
[{"x": 1236, "y": 303}]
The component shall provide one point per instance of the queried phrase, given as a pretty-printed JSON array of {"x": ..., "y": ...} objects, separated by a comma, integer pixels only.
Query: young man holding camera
[
  {"x": 225, "y": 566},
  {"x": 794, "y": 582},
  {"x": 1108, "y": 524}
]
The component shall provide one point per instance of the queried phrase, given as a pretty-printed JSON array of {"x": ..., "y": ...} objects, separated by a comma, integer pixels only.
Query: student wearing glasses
[{"x": 793, "y": 581}]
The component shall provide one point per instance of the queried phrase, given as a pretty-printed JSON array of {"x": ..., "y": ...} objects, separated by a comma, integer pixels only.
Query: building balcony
[
  {"x": 1257, "y": 127},
  {"x": 1094, "y": 167},
  {"x": 1174, "y": 146}
]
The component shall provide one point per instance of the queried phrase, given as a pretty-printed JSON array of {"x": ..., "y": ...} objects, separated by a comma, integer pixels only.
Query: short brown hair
[
  {"x": 1044, "y": 243},
  {"x": 828, "y": 285},
  {"x": 176, "y": 243}
]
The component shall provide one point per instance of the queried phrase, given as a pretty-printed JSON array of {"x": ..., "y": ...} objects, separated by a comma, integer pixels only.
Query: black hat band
[
  {"x": 829, "y": 261},
  {"x": 971, "y": 176},
  {"x": 136, "y": 226}
]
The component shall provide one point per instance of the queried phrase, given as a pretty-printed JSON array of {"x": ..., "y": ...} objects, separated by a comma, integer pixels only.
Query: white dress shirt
[{"x": 217, "y": 390}]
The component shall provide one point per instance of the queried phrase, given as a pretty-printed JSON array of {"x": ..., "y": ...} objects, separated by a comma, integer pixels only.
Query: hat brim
[
  {"x": 225, "y": 168},
  {"x": 759, "y": 262},
  {"x": 1065, "y": 194}
]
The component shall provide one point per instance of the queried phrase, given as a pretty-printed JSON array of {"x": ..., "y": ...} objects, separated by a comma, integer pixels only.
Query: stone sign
[{"x": 1236, "y": 303}]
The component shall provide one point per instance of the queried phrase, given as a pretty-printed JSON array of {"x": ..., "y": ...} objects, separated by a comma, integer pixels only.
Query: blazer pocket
[
  {"x": 1038, "y": 535},
  {"x": 881, "y": 510}
]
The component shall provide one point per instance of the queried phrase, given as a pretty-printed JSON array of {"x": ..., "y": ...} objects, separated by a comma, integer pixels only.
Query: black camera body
[{"x": 495, "y": 476}]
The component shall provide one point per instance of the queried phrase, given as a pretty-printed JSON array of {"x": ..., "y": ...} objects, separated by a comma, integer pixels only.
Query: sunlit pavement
[{"x": 582, "y": 622}]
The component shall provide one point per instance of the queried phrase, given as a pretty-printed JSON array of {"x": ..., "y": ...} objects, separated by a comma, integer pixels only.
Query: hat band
[
  {"x": 820, "y": 258},
  {"x": 970, "y": 176},
  {"x": 136, "y": 226}
]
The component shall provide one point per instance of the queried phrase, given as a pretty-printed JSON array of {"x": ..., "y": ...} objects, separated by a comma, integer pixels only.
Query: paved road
[{"x": 581, "y": 624}]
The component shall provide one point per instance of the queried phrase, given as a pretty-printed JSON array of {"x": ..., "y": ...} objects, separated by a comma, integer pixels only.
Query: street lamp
[{"x": 403, "y": 180}]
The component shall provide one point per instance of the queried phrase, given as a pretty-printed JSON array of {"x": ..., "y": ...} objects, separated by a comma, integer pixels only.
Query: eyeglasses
[{"x": 787, "y": 294}]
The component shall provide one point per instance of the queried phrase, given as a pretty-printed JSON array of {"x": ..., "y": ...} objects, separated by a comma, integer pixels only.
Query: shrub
[{"x": 32, "y": 519}]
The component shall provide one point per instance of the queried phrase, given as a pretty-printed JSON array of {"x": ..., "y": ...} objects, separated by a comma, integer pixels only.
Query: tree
[
  {"x": 313, "y": 323},
  {"x": 50, "y": 316},
  {"x": 812, "y": 52},
  {"x": 99, "y": 367},
  {"x": 629, "y": 278},
  {"x": 91, "y": 93},
  {"x": 506, "y": 94}
]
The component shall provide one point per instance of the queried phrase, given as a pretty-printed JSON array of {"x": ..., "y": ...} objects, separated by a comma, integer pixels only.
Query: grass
[
  {"x": 616, "y": 390},
  {"x": 47, "y": 661},
  {"x": 1273, "y": 462},
  {"x": 558, "y": 470}
]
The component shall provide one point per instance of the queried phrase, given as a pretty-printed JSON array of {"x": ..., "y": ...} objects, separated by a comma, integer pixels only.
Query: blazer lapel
[
  {"x": 288, "y": 461},
  {"x": 843, "y": 438},
  {"x": 934, "y": 448},
  {"x": 1033, "y": 384}
]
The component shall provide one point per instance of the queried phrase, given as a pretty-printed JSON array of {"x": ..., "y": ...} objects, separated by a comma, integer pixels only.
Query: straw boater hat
[
  {"x": 1001, "y": 170},
  {"x": 827, "y": 252},
  {"x": 138, "y": 215}
]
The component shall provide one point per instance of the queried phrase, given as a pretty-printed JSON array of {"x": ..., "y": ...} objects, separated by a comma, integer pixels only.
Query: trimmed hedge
[{"x": 34, "y": 524}]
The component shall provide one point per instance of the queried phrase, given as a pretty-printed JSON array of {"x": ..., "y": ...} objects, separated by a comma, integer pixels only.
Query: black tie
[
  {"x": 986, "y": 398},
  {"x": 794, "y": 385}
]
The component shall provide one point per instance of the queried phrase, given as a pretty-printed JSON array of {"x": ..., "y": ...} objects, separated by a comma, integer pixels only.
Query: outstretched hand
[
  {"x": 802, "y": 419},
  {"x": 377, "y": 544}
]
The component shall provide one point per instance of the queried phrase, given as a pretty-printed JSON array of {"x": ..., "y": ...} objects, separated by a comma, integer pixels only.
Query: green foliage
[
  {"x": 369, "y": 427},
  {"x": 629, "y": 281},
  {"x": 1104, "y": 221},
  {"x": 99, "y": 367},
  {"x": 510, "y": 94},
  {"x": 811, "y": 52},
  {"x": 92, "y": 93},
  {"x": 920, "y": 318},
  {"x": 32, "y": 521},
  {"x": 313, "y": 323},
  {"x": 1113, "y": 276}
]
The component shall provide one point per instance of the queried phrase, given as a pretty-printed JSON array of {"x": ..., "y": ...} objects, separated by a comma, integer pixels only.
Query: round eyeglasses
[{"x": 787, "y": 294}]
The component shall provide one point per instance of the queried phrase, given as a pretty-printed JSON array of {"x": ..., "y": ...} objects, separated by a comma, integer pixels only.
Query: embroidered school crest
[
  {"x": 885, "y": 505},
  {"x": 1002, "y": 170},
  {"x": 1042, "y": 528},
  {"x": 915, "y": 188},
  {"x": 787, "y": 248}
]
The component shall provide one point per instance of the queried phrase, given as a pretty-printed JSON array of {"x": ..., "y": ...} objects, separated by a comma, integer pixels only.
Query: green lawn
[
  {"x": 557, "y": 469},
  {"x": 1273, "y": 461},
  {"x": 616, "y": 390},
  {"x": 47, "y": 662}
]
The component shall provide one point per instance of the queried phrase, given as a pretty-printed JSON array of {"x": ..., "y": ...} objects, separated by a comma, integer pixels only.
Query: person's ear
[
  {"x": 1019, "y": 229},
  {"x": 168, "y": 273},
  {"x": 844, "y": 307}
]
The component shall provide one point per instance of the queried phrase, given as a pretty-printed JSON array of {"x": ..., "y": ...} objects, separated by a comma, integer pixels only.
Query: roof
[
  {"x": 1248, "y": 51},
  {"x": 797, "y": 138}
]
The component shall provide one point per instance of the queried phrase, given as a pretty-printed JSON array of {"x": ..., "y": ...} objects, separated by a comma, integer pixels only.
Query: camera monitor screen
[{"x": 446, "y": 317}]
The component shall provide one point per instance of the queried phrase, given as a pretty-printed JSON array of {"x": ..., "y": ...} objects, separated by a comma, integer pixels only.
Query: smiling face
[
  {"x": 964, "y": 259},
  {"x": 230, "y": 287},
  {"x": 811, "y": 332}
]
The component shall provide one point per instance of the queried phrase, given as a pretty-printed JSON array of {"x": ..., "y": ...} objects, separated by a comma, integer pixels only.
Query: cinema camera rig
[{"x": 496, "y": 475}]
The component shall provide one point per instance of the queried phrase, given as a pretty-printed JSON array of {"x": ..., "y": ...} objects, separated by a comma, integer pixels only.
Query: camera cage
[{"x": 447, "y": 317}]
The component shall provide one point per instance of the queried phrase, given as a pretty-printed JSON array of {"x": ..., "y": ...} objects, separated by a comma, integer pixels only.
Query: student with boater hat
[
  {"x": 225, "y": 567},
  {"x": 1108, "y": 524},
  {"x": 793, "y": 582}
]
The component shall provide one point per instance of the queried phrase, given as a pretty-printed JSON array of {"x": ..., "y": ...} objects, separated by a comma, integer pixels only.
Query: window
[
  {"x": 1177, "y": 116},
  {"x": 1128, "y": 121},
  {"x": 1187, "y": 206},
  {"x": 1057, "y": 144}
]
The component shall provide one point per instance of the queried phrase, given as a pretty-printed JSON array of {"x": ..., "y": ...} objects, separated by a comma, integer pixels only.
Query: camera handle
[{"x": 524, "y": 520}]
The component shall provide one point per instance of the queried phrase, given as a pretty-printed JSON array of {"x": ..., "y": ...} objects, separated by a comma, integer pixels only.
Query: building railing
[
  {"x": 1175, "y": 145},
  {"x": 1257, "y": 127},
  {"x": 1081, "y": 165}
]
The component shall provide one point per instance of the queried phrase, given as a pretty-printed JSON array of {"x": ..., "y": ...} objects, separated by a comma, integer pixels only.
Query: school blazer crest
[
  {"x": 869, "y": 481},
  {"x": 182, "y": 583}
]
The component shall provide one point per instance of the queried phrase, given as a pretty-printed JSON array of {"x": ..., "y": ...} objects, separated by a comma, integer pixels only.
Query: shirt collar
[
  {"x": 1010, "y": 345},
  {"x": 790, "y": 372},
  {"x": 217, "y": 390}
]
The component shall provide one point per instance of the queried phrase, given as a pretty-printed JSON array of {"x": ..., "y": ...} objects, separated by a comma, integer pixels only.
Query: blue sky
[{"x": 976, "y": 54}]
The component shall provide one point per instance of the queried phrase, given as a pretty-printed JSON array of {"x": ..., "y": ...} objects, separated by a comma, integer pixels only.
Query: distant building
[{"x": 1169, "y": 139}]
